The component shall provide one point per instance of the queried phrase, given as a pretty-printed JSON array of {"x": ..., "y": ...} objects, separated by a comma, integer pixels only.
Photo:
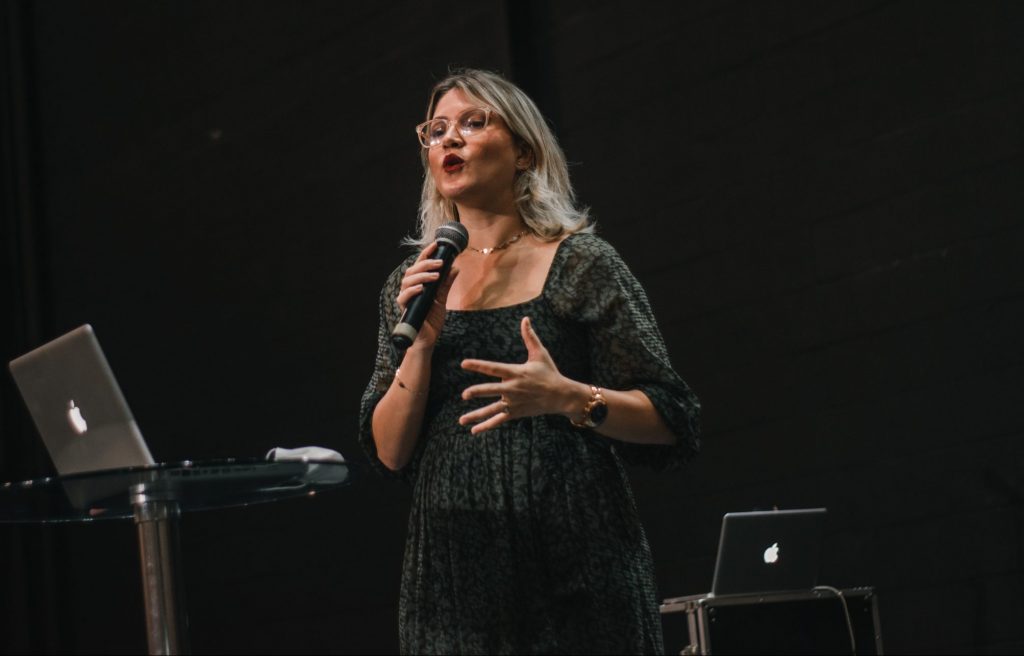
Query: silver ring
[{"x": 505, "y": 407}]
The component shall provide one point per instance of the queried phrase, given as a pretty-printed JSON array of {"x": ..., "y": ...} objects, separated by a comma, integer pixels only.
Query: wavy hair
[{"x": 543, "y": 194}]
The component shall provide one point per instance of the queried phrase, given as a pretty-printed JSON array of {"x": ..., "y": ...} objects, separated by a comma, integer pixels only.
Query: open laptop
[
  {"x": 768, "y": 551},
  {"x": 77, "y": 405},
  {"x": 86, "y": 425}
]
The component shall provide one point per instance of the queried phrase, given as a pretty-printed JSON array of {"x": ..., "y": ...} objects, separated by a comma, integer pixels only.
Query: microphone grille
[{"x": 454, "y": 233}]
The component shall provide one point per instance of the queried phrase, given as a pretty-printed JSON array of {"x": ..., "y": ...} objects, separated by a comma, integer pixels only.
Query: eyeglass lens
[{"x": 468, "y": 123}]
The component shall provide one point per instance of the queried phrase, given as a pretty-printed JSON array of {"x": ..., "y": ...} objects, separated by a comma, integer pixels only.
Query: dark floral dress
[{"x": 525, "y": 539}]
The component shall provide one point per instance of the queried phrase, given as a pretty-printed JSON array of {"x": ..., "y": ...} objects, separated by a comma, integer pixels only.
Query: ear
[{"x": 524, "y": 156}]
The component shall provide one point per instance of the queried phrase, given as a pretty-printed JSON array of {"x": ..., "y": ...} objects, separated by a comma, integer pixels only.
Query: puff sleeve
[
  {"x": 385, "y": 364},
  {"x": 626, "y": 349}
]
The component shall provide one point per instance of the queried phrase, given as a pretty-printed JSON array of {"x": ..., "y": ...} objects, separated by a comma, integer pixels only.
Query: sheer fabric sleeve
[
  {"x": 627, "y": 351},
  {"x": 384, "y": 367}
]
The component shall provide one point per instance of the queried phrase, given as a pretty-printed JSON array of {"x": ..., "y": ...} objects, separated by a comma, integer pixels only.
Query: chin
[{"x": 454, "y": 193}]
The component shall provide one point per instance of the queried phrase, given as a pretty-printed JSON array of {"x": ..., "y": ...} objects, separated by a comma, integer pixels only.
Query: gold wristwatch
[{"x": 594, "y": 412}]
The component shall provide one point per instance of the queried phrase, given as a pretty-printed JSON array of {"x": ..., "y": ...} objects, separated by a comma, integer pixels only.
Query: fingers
[
  {"x": 484, "y": 389},
  {"x": 483, "y": 413},
  {"x": 413, "y": 286},
  {"x": 407, "y": 295},
  {"x": 423, "y": 266},
  {"x": 424, "y": 262},
  {"x": 419, "y": 278},
  {"x": 488, "y": 368},
  {"x": 494, "y": 422},
  {"x": 534, "y": 347},
  {"x": 495, "y": 416},
  {"x": 423, "y": 271},
  {"x": 427, "y": 252}
]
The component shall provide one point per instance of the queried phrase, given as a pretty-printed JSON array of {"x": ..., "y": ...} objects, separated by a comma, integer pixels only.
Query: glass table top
[{"x": 204, "y": 485}]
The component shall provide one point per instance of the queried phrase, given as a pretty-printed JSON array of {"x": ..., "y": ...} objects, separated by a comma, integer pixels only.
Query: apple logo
[
  {"x": 771, "y": 554},
  {"x": 76, "y": 419}
]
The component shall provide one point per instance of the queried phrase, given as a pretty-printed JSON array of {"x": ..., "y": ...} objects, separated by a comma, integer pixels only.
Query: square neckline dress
[{"x": 526, "y": 538}]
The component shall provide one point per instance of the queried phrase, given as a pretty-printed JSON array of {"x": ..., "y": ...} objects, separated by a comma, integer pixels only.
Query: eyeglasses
[{"x": 470, "y": 122}]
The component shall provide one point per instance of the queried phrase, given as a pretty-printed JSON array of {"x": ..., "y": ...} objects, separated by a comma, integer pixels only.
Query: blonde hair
[{"x": 543, "y": 193}]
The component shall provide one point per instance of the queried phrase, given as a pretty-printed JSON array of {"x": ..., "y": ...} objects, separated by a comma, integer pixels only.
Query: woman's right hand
[{"x": 425, "y": 270}]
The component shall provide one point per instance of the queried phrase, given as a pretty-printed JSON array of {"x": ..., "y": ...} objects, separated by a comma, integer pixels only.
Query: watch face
[{"x": 598, "y": 413}]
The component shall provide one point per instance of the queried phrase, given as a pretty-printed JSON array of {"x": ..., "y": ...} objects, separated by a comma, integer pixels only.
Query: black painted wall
[{"x": 823, "y": 200}]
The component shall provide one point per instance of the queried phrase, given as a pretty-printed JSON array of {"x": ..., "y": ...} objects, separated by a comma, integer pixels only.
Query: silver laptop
[
  {"x": 77, "y": 405},
  {"x": 769, "y": 551}
]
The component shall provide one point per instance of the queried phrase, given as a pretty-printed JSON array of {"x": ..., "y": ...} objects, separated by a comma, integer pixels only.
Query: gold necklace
[{"x": 503, "y": 245}]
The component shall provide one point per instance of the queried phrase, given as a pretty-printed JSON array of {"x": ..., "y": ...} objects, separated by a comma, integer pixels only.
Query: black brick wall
[{"x": 823, "y": 200}]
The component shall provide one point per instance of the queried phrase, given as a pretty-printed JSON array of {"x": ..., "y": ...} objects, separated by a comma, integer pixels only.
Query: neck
[{"x": 488, "y": 228}]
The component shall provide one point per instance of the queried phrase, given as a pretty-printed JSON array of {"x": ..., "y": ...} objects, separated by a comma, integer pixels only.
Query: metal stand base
[{"x": 156, "y": 516}]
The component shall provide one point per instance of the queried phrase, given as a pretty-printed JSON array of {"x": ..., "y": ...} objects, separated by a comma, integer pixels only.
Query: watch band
[{"x": 594, "y": 411}]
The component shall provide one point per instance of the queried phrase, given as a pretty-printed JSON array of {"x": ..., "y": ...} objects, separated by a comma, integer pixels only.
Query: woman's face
[{"x": 478, "y": 170}]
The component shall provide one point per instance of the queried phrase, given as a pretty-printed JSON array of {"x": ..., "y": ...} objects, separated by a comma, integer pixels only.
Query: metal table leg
[{"x": 156, "y": 516}]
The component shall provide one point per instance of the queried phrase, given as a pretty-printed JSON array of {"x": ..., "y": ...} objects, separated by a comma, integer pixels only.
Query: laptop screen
[
  {"x": 77, "y": 405},
  {"x": 769, "y": 551}
]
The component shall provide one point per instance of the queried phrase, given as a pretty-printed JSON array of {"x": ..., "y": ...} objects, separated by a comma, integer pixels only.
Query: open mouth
[{"x": 453, "y": 163}]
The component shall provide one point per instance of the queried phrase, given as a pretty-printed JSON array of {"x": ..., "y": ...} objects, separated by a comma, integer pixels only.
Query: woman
[{"x": 538, "y": 371}]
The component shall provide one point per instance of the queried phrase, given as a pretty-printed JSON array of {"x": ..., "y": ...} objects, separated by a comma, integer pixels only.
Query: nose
[{"x": 452, "y": 138}]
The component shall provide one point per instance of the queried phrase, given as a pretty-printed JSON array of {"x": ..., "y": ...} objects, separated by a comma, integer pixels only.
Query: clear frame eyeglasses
[{"x": 472, "y": 121}]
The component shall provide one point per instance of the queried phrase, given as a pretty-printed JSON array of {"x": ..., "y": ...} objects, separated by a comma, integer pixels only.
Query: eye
[
  {"x": 437, "y": 128},
  {"x": 475, "y": 120}
]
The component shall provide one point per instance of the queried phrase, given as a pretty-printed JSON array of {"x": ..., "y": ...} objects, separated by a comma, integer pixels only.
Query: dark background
[{"x": 824, "y": 201}]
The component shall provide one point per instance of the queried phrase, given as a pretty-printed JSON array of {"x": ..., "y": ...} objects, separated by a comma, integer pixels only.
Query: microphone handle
[{"x": 416, "y": 312}]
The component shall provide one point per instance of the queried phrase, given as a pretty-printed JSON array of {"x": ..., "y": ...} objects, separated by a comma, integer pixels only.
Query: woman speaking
[{"x": 538, "y": 371}]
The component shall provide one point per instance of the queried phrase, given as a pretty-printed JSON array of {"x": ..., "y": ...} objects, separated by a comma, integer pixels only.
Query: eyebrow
[{"x": 462, "y": 112}]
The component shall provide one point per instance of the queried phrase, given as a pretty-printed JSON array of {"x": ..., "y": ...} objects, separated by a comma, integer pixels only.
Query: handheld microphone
[{"x": 451, "y": 239}]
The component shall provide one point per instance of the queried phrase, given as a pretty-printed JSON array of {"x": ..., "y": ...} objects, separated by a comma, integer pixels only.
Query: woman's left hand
[{"x": 525, "y": 390}]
